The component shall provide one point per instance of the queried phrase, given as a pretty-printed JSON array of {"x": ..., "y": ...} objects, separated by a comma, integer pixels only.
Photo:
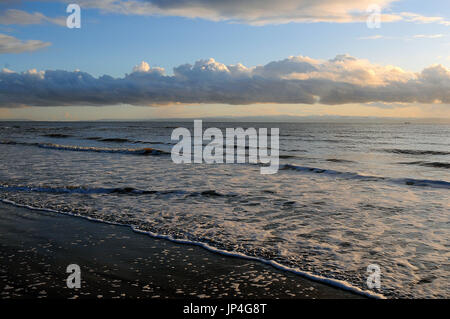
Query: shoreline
[{"x": 117, "y": 262}]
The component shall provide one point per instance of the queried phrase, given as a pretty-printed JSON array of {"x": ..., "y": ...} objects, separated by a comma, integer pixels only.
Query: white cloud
[
  {"x": 260, "y": 12},
  {"x": 372, "y": 37},
  {"x": 145, "y": 68},
  {"x": 6, "y": 70},
  {"x": 142, "y": 67},
  {"x": 347, "y": 69},
  {"x": 417, "y": 18},
  {"x": 10, "y": 44},
  {"x": 428, "y": 36},
  {"x": 256, "y": 12},
  {"x": 295, "y": 80},
  {"x": 407, "y": 38},
  {"x": 14, "y": 16}
]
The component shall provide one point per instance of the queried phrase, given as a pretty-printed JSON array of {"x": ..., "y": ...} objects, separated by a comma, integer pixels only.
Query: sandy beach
[{"x": 115, "y": 262}]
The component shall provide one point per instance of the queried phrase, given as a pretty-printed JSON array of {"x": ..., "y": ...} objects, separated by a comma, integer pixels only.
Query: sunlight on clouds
[
  {"x": 295, "y": 80},
  {"x": 261, "y": 12},
  {"x": 20, "y": 17},
  {"x": 10, "y": 44}
]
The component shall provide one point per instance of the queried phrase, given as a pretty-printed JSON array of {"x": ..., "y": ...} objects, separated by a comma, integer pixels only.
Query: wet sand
[{"x": 37, "y": 246}]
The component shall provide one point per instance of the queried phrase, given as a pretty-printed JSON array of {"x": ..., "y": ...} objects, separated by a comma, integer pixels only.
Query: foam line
[{"x": 318, "y": 278}]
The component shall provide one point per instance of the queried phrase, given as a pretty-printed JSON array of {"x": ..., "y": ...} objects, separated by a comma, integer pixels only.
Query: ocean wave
[
  {"x": 105, "y": 190},
  {"x": 57, "y": 135},
  {"x": 136, "y": 151},
  {"x": 356, "y": 176},
  {"x": 116, "y": 140},
  {"x": 124, "y": 140},
  {"x": 154, "y": 142},
  {"x": 415, "y": 152},
  {"x": 337, "y": 160},
  {"x": 305, "y": 169},
  {"x": 286, "y": 156},
  {"x": 341, "y": 284},
  {"x": 428, "y": 164}
]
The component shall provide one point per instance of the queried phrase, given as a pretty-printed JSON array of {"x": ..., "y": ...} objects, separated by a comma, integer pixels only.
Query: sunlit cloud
[
  {"x": 260, "y": 12},
  {"x": 428, "y": 36},
  {"x": 407, "y": 38},
  {"x": 19, "y": 17},
  {"x": 418, "y": 18},
  {"x": 10, "y": 44},
  {"x": 295, "y": 80},
  {"x": 372, "y": 37}
]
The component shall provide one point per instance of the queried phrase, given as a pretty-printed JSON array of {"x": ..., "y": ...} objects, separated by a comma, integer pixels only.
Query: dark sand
[{"x": 36, "y": 247}]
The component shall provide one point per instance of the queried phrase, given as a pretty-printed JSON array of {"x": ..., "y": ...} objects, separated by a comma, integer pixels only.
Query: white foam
[{"x": 329, "y": 281}]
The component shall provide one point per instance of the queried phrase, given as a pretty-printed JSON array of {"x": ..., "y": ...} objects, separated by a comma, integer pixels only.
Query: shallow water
[{"x": 346, "y": 195}]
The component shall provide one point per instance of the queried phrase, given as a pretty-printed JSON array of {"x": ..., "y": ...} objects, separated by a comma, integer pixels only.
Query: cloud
[
  {"x": 253, "y": 12},
  {"x": 372, "y": 37},
  {"x": 10, "y": 44},
  {"x": 260, "y": 12},
  {"x": 417, "y": 18},
  {"x": 428, "y": 36},
  {"x": 416, "y": 36},
  {"x": 144, "y": 67},
  {"x": 300, "y": 80},
  {"x": 14, "y": 16}
]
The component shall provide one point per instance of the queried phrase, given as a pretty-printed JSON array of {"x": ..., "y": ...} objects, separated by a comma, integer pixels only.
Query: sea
[{"x": 348, "y": 197}]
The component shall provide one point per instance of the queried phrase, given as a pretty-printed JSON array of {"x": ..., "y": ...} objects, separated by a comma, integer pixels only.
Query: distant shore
[{"x": 36, "y": 247}]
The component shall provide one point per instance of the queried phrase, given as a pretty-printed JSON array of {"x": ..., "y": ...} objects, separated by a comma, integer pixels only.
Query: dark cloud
[
  {"x": 256, "y": 12},
  {"x": 294, "y": 80}
]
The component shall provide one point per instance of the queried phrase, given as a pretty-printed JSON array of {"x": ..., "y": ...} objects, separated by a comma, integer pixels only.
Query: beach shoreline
[{"x": 115, "y": 262}]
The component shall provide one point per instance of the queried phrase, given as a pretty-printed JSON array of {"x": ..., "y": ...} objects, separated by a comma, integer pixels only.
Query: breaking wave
[
  {"x": 415, "y": 152},
  {"x": 428, "y": 164},
  {"x": 356, "y": 176},
  {"x": 104, "y": 190},
  {"x": 131, "y": 151}
]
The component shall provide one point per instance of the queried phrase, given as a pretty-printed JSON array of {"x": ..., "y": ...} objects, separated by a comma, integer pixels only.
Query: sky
[{"x": 134, "y": 59}]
